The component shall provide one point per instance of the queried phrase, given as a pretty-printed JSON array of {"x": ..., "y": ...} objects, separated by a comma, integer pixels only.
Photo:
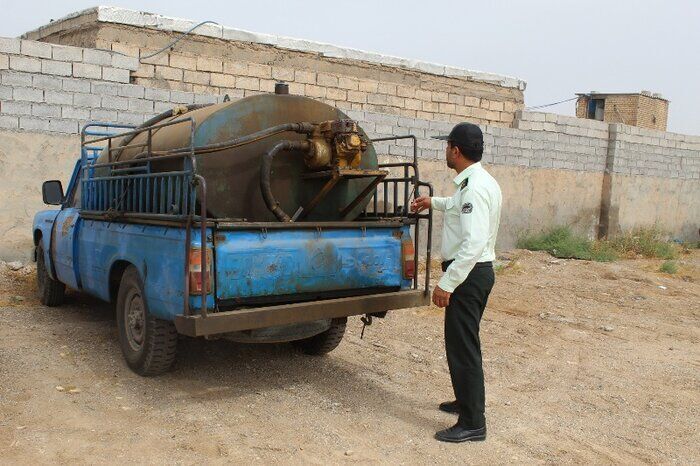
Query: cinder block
[
  {"x": 115, "y": 102},
  {"x": 439, "y": 97},
  {"x": 200, "y": 77},
  {"x": 73, "y": 113},
  {"x": 5, "y": 93},
  {"x": 304, "y": 77},
  {"x": 130, "y": 118},
  {"x": 9, "y": 122},
  {"x": 28, "y": 64},
  {"x": 59, "y": 68},
  {"x": 356, "y": 96},
  {"x": 104, "y": 115},
  {"x": 248, "y": 83},
  {"x": 12, "y": 107},
  {"x": 30, "y": 123},
  {"x": 181, "y": 97},
  {"x": 47, "y": 82},
  {"x": 58, "y": 97},
  {"x": 69, "y": 54},
  {"x": 209, "y": 64},
  {"x": 348, "y": 83},
  {"x": 76, "y": 85},
  {"x": 259, "y": 71},
  {"x": 205, "y": 99},
  {"x": 386, "y": 88},
  {"x": 103, "y": 88},
  {"x": 125, "y": 62},
  {"x": 160, "y": 106},
  {"x": 46, "y": 111},
  {"x": 8, "y": 45},
  {"x": 282, "y": 74},
  {"x": 157, "y": 94},
  {"x": 144, "y": 71},
  {"x": 86, "y": 100},
  {"x": 60, "y": 125},
  {"x": 328, "y": 80},
  {"x": 268, "y": 85},
  {"x": 160, "y": 59},
  {"x": 236, "y": 68},
  {"x": 141, "y": 105},
  {"x": 185, "y": 62},
  {"x": 218, "y": 79},
  {"x": 131, "y": 90},
  {"x": 115, "y": 74},
  {"x": 28, "y": 94},
  {"x": 87, "y": 70},
  {"x": 4, "y": 62},
  {"x": 36, "y": 49},
  {"x": 97, "y": 57}
]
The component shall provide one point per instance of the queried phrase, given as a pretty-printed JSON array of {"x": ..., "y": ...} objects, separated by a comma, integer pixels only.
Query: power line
[{"x": 552, "y": 104}]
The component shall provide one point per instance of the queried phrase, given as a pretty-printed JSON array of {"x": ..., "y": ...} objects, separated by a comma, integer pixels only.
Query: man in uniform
[{"x": 471, "y": 218}]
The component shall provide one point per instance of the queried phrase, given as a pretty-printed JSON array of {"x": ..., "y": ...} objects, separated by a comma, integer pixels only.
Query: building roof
[
  {"x": 613, "y": 94},
  {"x": 108, "y": 14}
]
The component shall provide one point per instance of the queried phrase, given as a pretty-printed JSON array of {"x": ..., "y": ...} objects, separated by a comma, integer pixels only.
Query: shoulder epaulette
[{"x": 464, "y": 184}]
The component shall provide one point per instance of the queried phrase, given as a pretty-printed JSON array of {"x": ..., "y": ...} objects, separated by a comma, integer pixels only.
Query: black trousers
[{"x": 462, "y": 344}]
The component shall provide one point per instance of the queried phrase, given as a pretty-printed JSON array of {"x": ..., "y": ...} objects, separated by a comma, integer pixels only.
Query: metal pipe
[{"x": 266, "y": 168}]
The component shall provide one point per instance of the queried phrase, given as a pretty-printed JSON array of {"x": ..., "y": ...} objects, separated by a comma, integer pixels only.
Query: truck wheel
[
  {"x": 324, "y": 342},
  {"x": 51, "y": 292},
  {"x": 149, "y": 345}
]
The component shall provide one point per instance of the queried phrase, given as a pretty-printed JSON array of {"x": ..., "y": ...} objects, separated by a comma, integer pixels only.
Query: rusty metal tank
[{"x": 233, "y": 175}]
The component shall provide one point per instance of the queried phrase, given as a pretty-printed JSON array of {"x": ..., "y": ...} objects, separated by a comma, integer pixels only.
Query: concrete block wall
[
  {"x": 220, "y": 60},
  {"x": 54, "y": 88},
  {"x": 645, "y": 152}
]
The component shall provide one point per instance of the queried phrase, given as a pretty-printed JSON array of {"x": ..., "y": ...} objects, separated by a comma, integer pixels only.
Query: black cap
[{"x": 465, "y": 135}]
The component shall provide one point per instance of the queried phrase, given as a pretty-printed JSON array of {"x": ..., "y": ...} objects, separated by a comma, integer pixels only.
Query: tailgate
[{"x": 251, "y": 264}]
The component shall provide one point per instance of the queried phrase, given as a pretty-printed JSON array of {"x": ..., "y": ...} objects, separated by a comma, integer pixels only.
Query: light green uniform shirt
[{"x": 470, "y": 223}]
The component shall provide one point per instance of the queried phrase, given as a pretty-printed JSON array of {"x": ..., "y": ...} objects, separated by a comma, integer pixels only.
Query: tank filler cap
[{"x": 281, "y": 88}]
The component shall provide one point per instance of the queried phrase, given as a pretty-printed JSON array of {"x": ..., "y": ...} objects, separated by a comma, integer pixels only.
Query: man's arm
[
  {"x": 422, "y": 203},
  {"x": 474, "y": 220}
]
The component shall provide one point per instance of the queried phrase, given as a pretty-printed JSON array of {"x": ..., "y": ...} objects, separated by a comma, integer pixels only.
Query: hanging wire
[
  {"x": 182, "y": 36},
  {"x": 552, "y": 104}
]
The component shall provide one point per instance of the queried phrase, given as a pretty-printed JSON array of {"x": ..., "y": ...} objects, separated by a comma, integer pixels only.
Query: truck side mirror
[{"x": 52, "y": 192}]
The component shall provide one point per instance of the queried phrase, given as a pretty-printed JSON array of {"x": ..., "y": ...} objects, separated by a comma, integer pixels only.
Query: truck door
[{"x": 64, "y": 237}]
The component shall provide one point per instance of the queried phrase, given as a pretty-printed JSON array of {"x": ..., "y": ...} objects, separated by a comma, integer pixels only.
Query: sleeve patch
[{"x": 467, "y": 208}]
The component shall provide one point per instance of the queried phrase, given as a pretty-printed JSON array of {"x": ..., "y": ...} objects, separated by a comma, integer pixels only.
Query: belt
[{"x": 478, "y": 265}]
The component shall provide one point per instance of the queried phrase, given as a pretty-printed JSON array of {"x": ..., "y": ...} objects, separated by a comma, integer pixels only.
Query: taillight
[
  {"x": 408, "y": 259},
  {"x": 196, "y": 271}
]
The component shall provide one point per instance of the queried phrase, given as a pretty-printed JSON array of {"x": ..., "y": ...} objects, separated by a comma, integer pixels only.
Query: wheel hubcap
[{"x": 135, "y": 320}]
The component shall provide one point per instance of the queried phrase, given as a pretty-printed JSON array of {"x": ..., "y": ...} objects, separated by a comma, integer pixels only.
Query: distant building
[{"x": 642, "y": 109}]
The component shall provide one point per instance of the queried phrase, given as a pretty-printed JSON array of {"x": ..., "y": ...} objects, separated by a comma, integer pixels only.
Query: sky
[{"x": 559, "y": 47}]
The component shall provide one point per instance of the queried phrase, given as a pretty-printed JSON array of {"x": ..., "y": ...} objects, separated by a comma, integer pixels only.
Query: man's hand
[
  {"x": 441, "y": 298},
  {"x": 419, "y": 204}
]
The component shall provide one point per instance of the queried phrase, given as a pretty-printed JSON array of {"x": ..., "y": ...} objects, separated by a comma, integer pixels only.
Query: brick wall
[
  {"x": 216, "y": 60},
  {"x": 644, "y": 111}
]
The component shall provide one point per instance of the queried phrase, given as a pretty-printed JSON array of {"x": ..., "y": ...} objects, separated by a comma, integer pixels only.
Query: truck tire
[
  {"x": 148, "y": 344},
  {"x": 324, "y": 342},
  {"x": 51, "y": 292}
]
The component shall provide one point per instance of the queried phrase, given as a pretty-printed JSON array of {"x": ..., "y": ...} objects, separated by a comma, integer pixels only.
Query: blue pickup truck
[{"x": 136, "y": 231}]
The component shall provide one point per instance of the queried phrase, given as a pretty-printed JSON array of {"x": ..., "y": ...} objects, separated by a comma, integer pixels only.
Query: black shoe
[
  {"x": 450, "y": 407},
  {"x": 457, "y": 433}
]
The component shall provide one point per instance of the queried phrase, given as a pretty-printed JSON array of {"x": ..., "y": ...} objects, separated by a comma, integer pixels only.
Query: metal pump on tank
[{"x": 268, "y": 157}]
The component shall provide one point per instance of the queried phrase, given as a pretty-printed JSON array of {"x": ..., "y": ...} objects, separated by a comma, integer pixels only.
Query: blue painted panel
[
  {"x": 284, "y": 262},
  {"x": 157, "y": 252}
]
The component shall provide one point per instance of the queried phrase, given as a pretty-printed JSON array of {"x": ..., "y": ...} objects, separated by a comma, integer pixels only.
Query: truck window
[{"x": 74, "y": 195}]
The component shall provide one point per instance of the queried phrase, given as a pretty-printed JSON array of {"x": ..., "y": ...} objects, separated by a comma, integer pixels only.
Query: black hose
[{"x": 266, "y": 168}]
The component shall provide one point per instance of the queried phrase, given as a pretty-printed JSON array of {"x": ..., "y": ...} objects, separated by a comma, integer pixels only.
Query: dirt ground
[{"x": 585, "y": 362}]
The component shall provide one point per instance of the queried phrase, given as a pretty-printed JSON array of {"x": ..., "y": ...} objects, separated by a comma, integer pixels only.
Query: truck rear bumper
[{"x": 248, "y": 319}]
